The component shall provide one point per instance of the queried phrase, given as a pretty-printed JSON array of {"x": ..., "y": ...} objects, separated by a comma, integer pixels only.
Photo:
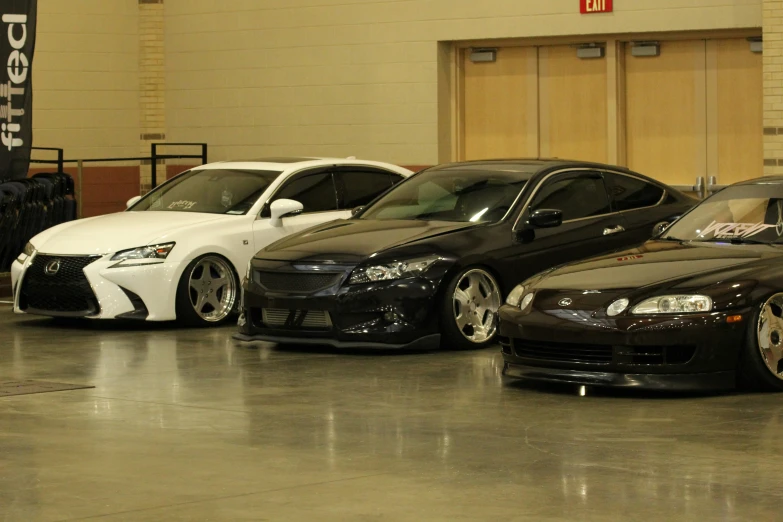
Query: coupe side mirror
[
  {"x": 132, "y": 201},
  {"x": 545, "y": 218},
  {"x": 660, "y": 228},
  {"x": 283, "y": 208},
  {"x": 356, "y": 210}
]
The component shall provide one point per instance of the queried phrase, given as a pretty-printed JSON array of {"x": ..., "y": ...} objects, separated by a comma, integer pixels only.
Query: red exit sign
[{"x": 596, "y": 6}]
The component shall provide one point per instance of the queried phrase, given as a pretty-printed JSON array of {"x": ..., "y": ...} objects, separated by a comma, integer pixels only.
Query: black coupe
[
  {"x": 700, "y": 307},
  {"x": 428, "y": 262}
]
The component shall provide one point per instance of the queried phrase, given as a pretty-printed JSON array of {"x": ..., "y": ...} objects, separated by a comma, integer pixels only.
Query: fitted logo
[
  {"x": 565, "y": 302},
  {"x": 52, "y": 267}
]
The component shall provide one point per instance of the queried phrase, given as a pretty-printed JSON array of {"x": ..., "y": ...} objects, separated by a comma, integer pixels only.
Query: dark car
[
  {"x": 700, "y": 307},
  {"x": 433, "y": 256}
]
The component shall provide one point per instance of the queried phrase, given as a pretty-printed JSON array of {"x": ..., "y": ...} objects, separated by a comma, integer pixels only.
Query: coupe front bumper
[
  {"x": 142, "y": 292},
  {"x": 678, "y": 353},
  {"x": 398, "y": 314}
]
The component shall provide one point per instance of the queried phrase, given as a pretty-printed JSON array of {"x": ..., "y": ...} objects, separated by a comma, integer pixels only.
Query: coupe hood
[
  {"x": 352, "y": 241},
  {"x": 659, "y": 263},
  {"x": 113, "y": 232}
]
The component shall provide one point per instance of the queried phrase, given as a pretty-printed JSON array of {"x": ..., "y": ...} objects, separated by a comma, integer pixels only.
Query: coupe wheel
[
  {"x": 469, "y": 315},
  {"x": 207, "y": 292},
  {"x": 761, "y": 362}
]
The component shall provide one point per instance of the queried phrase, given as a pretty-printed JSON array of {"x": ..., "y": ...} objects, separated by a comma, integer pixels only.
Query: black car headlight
[
  {"x": 146, "y": 252},
  {"x": 673, "y": 304},
  {"x": 391, "y": 271},
  {"x": 515, "y": 297}
]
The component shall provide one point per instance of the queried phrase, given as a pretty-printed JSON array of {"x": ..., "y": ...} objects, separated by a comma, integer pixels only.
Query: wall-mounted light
[
  {"x": 483, "y": 55},
  {"x": 590, "y": 51},
  {"x": 644, "y": 49},
  {"x": 756, "y": 44}
]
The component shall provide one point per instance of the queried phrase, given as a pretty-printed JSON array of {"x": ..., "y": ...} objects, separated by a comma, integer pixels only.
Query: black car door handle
[{"x": 613, "y": 230}]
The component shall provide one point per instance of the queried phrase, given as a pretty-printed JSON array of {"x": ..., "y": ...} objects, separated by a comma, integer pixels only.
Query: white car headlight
[
  {"x": 391, "y": 271},
  {"x": 28, "y": 250},
  {"x": 145, "y": 252},
  {"x": 515, "y": 296},
  {"x": 673, "y": 304}
]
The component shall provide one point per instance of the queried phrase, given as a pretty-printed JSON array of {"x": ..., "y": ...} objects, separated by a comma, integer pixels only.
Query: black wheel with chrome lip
[
  {"x": 469, "y": 312},
  {"x": 761, "y": 361}
]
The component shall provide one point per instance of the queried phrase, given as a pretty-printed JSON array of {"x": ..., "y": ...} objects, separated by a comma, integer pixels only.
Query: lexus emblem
[
  {"x": 52, "y": 267},
  {"x": 565, "y": 302}
]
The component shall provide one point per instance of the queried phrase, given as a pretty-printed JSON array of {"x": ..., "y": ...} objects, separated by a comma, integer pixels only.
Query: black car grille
[
  {"x": 567, "y": 352},
  {"x": 67, "y": 291},
  {"x": 296, "y": 282},
  {"x": 601, "y": 353}
]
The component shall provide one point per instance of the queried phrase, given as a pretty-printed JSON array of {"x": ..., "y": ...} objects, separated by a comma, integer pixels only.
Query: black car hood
[
  {"x": 353, "y": 240},
  {"x": 663, "y": 264}
]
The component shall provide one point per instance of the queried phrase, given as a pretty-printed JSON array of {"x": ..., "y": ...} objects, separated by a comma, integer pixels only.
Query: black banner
[{"x": 17, "y": 43}]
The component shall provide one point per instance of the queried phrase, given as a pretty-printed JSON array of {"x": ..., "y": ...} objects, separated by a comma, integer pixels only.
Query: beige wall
[
  {"x": 85, "y": 77},
  {"x": 359, "y": 77}
]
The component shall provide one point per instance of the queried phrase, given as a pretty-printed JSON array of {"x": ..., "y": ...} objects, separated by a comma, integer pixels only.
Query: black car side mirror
[
  {"x": 545, "y": 218},
  {"x": 356, "y": 210}
]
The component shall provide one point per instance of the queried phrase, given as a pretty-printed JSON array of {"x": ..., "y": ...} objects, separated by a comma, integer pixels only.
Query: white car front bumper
[{"x": 115, "y": 289}]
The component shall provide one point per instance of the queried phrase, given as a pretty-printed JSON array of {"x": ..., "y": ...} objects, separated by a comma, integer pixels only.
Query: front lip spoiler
[
  {"x": 428, "y": 342},
  {"x": 725, "y": 380}
]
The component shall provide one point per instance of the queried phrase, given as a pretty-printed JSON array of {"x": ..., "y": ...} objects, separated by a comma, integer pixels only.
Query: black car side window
[
  {"x": 631, "y": 193},
  {"x": 359, "y": 187},
  {"x": 577, "y": 197},
  {"x": 316, "y": 192}
]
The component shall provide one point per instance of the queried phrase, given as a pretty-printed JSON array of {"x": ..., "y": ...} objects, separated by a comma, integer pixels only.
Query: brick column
[
  {"x": 152, "y": 87},
  {"x": 773, "y": 86}
]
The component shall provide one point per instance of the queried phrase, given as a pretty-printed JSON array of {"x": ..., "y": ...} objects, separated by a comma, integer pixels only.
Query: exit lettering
[{"x": 596, "y": 6}]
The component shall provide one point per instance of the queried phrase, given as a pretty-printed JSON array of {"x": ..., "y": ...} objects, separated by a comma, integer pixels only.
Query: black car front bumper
[
  {"x": 678, "y": 353},
  {"x": 399, "y": 314}
]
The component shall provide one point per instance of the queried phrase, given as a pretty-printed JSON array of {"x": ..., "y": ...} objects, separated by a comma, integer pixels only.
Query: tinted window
[
  {"x": 577, "y": 197},
  {"x": 465, "y": 195},
  {"x": 212, "y": 191},
  {"x": 315, "y": 192},
  {"x": 632, "y": 193},
  {"x": 359, "y": 188}
]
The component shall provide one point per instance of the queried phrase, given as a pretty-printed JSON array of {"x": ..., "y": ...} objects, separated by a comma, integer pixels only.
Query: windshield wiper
[
  {"x": 670, "y": 238},
  {"x": 733, "y": 241}
]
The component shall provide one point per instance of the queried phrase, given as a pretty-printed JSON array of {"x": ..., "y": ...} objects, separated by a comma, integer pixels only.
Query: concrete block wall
[{"x": 359, "y": 77}]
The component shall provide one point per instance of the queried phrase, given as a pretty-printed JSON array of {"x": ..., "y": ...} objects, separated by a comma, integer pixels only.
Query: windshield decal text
[
  {"x": 183, "y": 204},
  {"x": 734, "y": 230}
]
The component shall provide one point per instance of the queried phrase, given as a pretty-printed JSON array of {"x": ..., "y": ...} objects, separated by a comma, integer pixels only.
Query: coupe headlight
[
  {"x": 391, "y": 271},
  {"x": 515, "y": 296},
  {"x": 145, "y": 252},
  {"x": 29, "y": 249},
  {"x": 673, "y": 304}
]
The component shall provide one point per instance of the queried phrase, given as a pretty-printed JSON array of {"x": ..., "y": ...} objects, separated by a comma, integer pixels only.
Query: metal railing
[
  {"x": 703, "y": 187},
  {"x": 154, "y": 158}
]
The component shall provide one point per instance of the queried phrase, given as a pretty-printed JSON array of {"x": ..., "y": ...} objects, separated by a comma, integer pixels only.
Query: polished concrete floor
[{"x": 186, "y": 425}]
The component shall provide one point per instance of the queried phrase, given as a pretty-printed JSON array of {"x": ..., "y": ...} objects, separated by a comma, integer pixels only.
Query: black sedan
[
  {"x": 700, "y": 307},
  {"x": 427, "y": 263}
]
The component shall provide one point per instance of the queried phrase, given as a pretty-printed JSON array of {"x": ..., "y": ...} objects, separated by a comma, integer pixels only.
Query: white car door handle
[{"x": 613, "y": 230}]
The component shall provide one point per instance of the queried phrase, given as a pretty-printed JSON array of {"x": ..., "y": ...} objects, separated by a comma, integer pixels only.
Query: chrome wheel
[
  {"x": 770, "y": 335},
  {"x": 476, "y": 301},
  {"x": 212, "y": 288}
]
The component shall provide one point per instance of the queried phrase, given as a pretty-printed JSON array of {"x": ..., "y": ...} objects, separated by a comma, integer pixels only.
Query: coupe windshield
[
  {"x": 460, "y": 194},
  {"x": 210, "y": 191},
  {"x": 743, "y": 213}
]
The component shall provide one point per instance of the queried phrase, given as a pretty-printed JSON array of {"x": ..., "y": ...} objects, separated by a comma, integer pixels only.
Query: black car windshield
[
  {"x": 210, "y": 191},
  {"x": 463, "y": 193},
  {"x": 741, "y": 213}
]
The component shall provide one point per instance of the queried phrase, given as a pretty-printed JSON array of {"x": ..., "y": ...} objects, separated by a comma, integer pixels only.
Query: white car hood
[{"x": 114, "y": 232}]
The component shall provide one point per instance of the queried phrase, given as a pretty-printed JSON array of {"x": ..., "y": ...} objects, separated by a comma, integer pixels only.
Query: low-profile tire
[
  {"x": 760, "y": 365},
  {"x": 208, "y": 292},
  {"x": 468, "y": 318}
]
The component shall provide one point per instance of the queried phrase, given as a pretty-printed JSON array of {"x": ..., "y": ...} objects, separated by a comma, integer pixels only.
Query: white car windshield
[
  {"x": 210, "y": 191},
  {"x": 476, "y": 196},
  {"x": 742, "y": 213}
]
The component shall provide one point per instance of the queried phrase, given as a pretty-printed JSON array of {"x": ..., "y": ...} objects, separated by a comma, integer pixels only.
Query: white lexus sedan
[{"x": 179, "y": 251}]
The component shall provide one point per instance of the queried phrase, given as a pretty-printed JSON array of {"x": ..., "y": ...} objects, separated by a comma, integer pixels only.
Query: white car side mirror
[
  {"x": 284, "y": 207},
  {"x": 132, "y": 201}
]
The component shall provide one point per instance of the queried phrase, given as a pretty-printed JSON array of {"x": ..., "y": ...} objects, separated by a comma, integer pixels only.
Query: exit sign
[{"x": 595, "y": 6}]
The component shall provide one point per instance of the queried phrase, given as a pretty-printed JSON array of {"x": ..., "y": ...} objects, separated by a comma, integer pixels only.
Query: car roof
[
  {"x": 529, "y": 164},
  {"x": 285, "y": 163},
  {"x": 766, "y": 180}
]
